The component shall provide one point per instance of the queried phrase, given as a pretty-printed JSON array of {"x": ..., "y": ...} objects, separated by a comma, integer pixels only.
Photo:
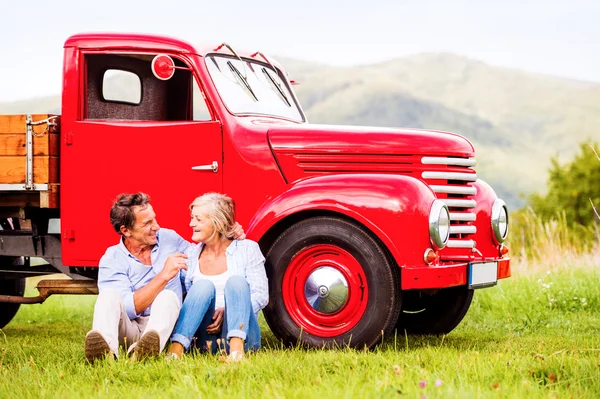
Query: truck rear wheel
[
  {"x": 434, "y": 312},
  {"x": 330, "y": 285},
  {"x": 9, "y": 310}
]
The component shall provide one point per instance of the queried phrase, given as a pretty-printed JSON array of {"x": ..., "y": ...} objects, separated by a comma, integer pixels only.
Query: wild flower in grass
[
  {"x": 546, "y": 289},
  {"x": 422, "y": 383},
  {"x": 438, "y": 383},
  {"x": 397, "y": 370},
  {"x": 221, "y": 348}
]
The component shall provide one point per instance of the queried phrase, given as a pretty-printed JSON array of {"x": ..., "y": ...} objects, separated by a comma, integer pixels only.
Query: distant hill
[{"x": 516, "y": 120}]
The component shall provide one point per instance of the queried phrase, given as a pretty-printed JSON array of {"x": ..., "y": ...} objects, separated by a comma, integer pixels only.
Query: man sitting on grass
[{"x": 140, "y": 290}]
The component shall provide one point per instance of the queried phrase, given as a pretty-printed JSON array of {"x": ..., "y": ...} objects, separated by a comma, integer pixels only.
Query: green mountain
[{"x": 516, "y": 120}]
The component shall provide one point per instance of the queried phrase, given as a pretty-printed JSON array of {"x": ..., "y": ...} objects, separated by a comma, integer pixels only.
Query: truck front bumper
[{"x": 449, "y": 275}]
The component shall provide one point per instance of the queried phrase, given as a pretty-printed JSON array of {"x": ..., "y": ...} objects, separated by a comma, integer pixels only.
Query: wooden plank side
[
  {"x": 14, "y": 198},
  {"x": 13, "y": 169},
  {"x": 53, "y": 145},
  {"x": 50, "y": 198},
  {"x": 15, "y": 124},
  {"x": 42, "y": 199},
  {"x": 11, "y": 124},
  {"x": 15, "y": 144},
  {"x": 53, "y": 169}
]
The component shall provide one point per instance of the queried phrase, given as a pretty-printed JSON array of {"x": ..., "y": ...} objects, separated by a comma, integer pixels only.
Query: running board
[{"x": 55, "y": 287}]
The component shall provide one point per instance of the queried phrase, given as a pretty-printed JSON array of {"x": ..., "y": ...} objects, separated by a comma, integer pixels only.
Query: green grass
[{"x": 532, "y": 336}]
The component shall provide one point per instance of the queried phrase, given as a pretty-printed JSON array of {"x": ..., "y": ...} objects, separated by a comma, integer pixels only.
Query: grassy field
[{"x": 535, "y": 335}]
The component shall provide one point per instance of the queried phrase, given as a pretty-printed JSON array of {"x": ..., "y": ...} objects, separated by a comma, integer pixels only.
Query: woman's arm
[{"x": 256, "y": 277}]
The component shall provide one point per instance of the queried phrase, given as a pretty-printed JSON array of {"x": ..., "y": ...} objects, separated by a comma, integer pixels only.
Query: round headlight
[
  {"x": 499, "y": 221},
  {"x": 439, "y": 224}
]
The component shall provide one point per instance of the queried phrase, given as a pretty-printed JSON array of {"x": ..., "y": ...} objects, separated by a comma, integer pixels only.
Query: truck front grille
[{"x": 451, "y": 178}]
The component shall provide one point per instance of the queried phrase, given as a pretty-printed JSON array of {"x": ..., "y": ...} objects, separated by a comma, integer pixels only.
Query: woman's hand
[
  {"x": 238, "y": 232},
  {"x": 217, "y": 323}
]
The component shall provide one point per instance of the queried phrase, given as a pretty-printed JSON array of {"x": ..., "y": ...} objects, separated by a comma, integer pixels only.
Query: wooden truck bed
[{"x": 29, "y": 160}]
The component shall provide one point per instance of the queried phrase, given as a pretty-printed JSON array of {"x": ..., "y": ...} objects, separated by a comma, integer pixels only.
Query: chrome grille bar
[
  {"x": 460, "y": 203},
  {"x": 462, "y": 217},
  {"x": 450, "y": 176},
  {"x": 465, "y": 190},
  {"x": 463, "y": 229},
  {"x": 461, "y": 244},
  {"x": 448, "y": 161}
]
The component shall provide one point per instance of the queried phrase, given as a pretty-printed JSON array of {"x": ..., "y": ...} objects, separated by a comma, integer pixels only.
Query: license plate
[{"x": 483, "y": 274}]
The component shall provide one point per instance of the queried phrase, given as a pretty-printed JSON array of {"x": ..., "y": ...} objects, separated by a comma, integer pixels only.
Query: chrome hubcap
[{"x": 326, "y": 290}]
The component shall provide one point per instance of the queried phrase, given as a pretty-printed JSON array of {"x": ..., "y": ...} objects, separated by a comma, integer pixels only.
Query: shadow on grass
[{"x": 402, "y": 343}]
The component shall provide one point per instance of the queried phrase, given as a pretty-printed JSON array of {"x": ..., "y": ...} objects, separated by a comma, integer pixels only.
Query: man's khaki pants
[{"x": 111, "y": 320}]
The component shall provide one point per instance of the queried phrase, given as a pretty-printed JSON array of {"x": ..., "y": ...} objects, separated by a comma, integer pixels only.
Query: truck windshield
[{"x": 251, "y": 87}]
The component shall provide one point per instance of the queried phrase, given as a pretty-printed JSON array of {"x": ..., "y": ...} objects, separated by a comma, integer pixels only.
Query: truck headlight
[
  {"x": 439, "y": 224},
  {"x": 499, "y": 221}
]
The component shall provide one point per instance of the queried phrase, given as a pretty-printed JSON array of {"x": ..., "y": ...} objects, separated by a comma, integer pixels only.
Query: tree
[{"x": 571, "y": 187}]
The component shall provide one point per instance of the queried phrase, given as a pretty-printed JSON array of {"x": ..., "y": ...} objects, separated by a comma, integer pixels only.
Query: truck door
[{"x": 135, "y": 133}]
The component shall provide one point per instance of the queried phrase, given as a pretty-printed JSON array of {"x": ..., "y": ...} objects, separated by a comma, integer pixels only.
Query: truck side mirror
[{"x": 163, "y": 67}]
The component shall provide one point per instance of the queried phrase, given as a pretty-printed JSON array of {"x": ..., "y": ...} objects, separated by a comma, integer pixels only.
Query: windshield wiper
[
  {"x": 242, "y": 80},
  {"x": 275, "y": 85}
]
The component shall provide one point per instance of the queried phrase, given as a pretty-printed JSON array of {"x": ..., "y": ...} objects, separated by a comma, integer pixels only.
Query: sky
[{"x": 552, "y": 37}]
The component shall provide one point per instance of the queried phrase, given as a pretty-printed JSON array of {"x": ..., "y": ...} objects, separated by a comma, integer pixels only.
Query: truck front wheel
[
  {"x": 9, "y": 310},
  {"x": 330, "y": 285},
  {"x": 435, "y": 311}
]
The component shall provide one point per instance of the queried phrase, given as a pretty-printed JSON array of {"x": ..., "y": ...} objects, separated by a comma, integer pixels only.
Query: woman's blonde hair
[{"x": 220, "y": 210}]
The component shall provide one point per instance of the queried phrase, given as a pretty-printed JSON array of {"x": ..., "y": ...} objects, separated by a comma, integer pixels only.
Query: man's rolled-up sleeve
[{"x": 113, "y": 275}]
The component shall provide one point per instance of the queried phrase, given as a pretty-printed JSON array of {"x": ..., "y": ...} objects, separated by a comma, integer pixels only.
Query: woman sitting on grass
[{"x": 226, "y": 284}]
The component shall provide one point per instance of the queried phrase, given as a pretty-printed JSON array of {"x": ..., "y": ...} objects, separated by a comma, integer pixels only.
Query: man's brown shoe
[
  {"x": 96, "y": 347},
  {"x": 148, "y": 346}
]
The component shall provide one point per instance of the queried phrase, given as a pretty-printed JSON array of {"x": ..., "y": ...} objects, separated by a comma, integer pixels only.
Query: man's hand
[
  {"x": 217, "y": 323},
  {"x": 144, "y": 297},
  {"x": 238, "y": 232},
  {"x": 173, "y": 265}
]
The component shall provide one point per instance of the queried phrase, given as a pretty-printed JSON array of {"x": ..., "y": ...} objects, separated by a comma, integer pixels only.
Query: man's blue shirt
[{"x": 123, "y": 272}]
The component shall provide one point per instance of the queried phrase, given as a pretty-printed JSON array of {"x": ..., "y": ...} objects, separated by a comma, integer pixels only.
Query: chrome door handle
[{"x": 213, "y": 166}]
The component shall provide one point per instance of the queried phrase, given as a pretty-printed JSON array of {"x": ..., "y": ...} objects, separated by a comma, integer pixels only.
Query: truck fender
[{"x": 394, "y": 208}]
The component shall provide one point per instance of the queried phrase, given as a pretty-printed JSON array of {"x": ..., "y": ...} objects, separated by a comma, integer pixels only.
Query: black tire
[
  {"x": 434, "y": 312},
  {"x": 14, "y": 287},
  {"x": 10, "y": 287},
  {"x": 381, "y": 305}
]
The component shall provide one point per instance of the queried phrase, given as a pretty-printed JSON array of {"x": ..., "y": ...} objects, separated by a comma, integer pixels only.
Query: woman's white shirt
[
  {"x": 245, "y": 259},
  {"x": 218, "y": 280}
]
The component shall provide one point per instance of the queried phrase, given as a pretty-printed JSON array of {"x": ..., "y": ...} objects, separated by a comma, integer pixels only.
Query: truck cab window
[
  {"x": 122, "y": 87},
  {"x": 201, "y": 112}
]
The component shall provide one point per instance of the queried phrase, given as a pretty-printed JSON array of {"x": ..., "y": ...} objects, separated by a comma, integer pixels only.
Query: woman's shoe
[
  {"x": 175, "y": 351},
  {"x": 233, "y": 357}
]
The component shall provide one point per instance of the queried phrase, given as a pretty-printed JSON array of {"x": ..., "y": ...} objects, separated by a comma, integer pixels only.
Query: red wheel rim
[{"x": 300, "y": 310}]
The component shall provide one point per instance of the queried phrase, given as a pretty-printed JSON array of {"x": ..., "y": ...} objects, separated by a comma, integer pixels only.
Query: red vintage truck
[{"x": 364, "y": 229}]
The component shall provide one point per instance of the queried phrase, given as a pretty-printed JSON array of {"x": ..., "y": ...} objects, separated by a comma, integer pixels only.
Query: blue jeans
[{"x": 239, "y": 320}]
